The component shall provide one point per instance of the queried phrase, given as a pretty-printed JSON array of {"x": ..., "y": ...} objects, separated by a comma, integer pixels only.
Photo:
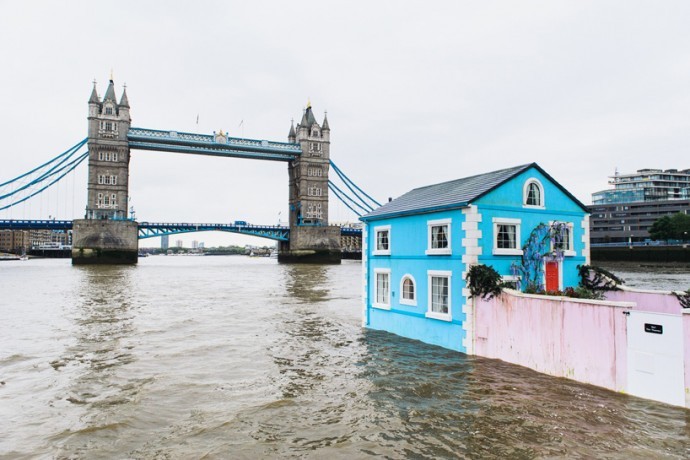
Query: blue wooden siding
[
  {"x": 506, "y": 202},
  {"x": 408, "y": 243}
]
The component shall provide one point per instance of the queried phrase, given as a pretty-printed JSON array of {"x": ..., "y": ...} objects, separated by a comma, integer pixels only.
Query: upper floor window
[
  {"x": 107, "y": 179},
  {"x": 439, "y": 295},
  {"x": 315, "y": 191},
  {"x": 314, "y": 172},
  {"x": 383, "y": 241},
  {"x": 315, "y": 149},
  {"x": 382, "y": 288},
  {"x": 438, "y": 237},
  {"x": 107, "y": 156},
  {"x": 409, "y": 294},
  {"x": 506, "y": 236},
  {"x": 564, "y": 240},
  {"x": 533, "y": 194},
  {"x": 108, "y": 110}
]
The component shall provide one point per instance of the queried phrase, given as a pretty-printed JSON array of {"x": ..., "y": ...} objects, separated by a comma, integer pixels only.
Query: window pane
[
  {"x": 382, "y": 240},
  {"x": 439, "y": 236},
  {"x": 408, "y": 289},
  {"x": 533, "y": 195},
  {"x": 506, "y": 237},
  {"x": 382, "y": 288},
  {"x": 439, "y": 294}
]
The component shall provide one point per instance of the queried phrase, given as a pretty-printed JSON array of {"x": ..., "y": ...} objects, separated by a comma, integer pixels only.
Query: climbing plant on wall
[{"x": 545, "y": 243}]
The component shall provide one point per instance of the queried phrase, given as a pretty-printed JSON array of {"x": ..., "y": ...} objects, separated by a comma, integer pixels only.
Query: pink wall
[
  {"x": 581, "y": 340},
  {"x": 652, "y": 301},
  {"x": 686, "y": 334}
]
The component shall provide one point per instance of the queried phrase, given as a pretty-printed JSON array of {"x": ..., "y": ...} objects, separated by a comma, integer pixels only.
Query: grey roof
[
  {"x": 124, "y": 101},
  {"x": 325, "y": 123},
  {"x": 94, "y": 96},
  {"x": 455, "y": 193},
  {"x": 291, "y": 134},
  {"x": 110, "y": 92}
]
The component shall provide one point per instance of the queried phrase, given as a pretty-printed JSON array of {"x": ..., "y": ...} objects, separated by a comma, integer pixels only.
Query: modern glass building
[{"x": 625, "y": 213}]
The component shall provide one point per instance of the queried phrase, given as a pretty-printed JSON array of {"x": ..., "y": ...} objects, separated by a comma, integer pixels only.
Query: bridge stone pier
[
  {"x": 311, "y": 238},
  {"x": 107, "y": 236}
]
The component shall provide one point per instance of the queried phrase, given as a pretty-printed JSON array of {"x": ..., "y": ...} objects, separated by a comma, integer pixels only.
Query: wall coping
[
  {"x": 623, "y": 287},
  {"x": 553, "y": 298}
]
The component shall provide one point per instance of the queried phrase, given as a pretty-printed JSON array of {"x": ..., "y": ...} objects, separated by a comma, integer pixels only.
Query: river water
[{"x": 237, "y": 357}]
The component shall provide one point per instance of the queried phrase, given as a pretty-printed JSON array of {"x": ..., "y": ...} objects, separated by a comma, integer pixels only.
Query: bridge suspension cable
[
  {"x": 30, "y": 184},
  {"x": 366, "y": 205}
]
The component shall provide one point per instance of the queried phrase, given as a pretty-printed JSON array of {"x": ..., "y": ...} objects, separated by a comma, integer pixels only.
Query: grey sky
[{"x": 416, "y": 92}]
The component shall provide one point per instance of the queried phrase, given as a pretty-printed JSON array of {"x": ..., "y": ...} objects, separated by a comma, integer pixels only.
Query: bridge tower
[
  {"x": 105, "y": 235},
  {"x": 311, "y": 238}
]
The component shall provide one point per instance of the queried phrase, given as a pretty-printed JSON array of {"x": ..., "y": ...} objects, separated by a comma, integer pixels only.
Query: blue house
[{"x": 418, "y": 248}]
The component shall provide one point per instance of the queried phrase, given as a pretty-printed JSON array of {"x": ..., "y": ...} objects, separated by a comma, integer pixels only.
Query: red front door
[{"x": 552, "y": 276}]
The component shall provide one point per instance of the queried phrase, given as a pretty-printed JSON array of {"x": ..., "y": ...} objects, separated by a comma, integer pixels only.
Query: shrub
[
  {"x": 483, "y": 281},
  {"x": 598, "y": 279}
]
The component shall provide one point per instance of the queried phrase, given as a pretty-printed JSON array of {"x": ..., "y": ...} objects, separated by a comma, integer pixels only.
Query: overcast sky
[{"x": 416, "y": 93}]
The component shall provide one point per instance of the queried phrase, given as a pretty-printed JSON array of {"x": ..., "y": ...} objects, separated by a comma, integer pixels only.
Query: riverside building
[{"x": 625, "y": 213}]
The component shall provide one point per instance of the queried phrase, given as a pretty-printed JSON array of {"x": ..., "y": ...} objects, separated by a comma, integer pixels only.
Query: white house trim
[
  {"x": 585, "y": 239},
  {"x": 436, "y": 315},
  {"x": 533, "y": 180},
  {"x": 439, "y": 251},
  {"x": 375, "y": 301},
  {"x": 377, "y": 251},
  {"x": 403, "y": 301},
  {"x": 570, "y": 252},
  {"x": 517, "y": 251},
  {"x": 365, "y": 274},
  {"x": 472, "y": 242}
]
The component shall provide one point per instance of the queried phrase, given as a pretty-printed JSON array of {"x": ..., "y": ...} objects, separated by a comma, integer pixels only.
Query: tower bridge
[{"x": 105, "y": 235}]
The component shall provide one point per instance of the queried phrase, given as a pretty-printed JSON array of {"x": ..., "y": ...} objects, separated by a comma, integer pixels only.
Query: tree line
[{"x": 675, "y": 227}]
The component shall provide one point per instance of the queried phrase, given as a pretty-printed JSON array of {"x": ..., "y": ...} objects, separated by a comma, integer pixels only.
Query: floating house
[{"x": 418, "y": 248}]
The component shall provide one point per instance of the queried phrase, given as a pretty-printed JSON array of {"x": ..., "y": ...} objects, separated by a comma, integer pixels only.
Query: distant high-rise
[
  {"x": 625, "y": 213},
  {"x": 165, "y": 242}
]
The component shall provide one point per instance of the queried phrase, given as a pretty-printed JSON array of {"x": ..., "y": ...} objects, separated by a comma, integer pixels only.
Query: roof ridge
[{"x": 519, "y": 167}]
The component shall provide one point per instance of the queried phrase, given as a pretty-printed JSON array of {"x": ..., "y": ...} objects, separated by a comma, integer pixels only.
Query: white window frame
[
  {"x": 439, "y": 274},
  {"x": 377, "y": 230},
  {"x": 517, "y": 251},
  {"x": 570, "y": 251},
  {"x": 413, "y": 300},
  {"x": 438, "y": 251},
  {"x": 525, "y": 189},
  {"x": 375, "y": 303},
  {"x": 511, "y": 279}
]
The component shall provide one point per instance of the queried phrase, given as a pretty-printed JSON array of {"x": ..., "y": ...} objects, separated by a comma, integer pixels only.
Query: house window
[
  {"x": 314, "y": 172},
  {"x": 511, "y": 281},
  {"x": 314, "y": 191},
  {"x": 407, "y": 288},
  {"x": 439, "y": 295},
  {"x": 533, "y": 194},
  {"x": 314, "y": 210},
  {"x": 438, "y": 240},
  {"x": 566, "y": 242},
  {"x": 382, "y": 289},
  {"x": 108, "y": 110},
  {"x": 383, "y": 240},
  {"x": 113, "y": 201},
  {"x": 506, "y": 236},
  {"x": 315, "y": 149}
]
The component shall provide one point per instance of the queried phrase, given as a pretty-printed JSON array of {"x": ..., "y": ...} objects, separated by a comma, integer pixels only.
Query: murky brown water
[{"x": 232, "y": 357}]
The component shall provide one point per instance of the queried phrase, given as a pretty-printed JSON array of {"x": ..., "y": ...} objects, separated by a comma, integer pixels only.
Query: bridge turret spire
[
  {"x": 292, "y": 137},
  {"x": 94, "y": 95},
  {"x": 324, "y": 126},
  {"x": 110, "y": 93},
  {"x": 124, "y": 101}
]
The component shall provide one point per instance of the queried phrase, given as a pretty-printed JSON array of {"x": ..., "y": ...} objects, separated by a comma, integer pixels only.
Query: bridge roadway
[
  {"x": 215, "y": 145},
  {"x": 153, "y": 229}
]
